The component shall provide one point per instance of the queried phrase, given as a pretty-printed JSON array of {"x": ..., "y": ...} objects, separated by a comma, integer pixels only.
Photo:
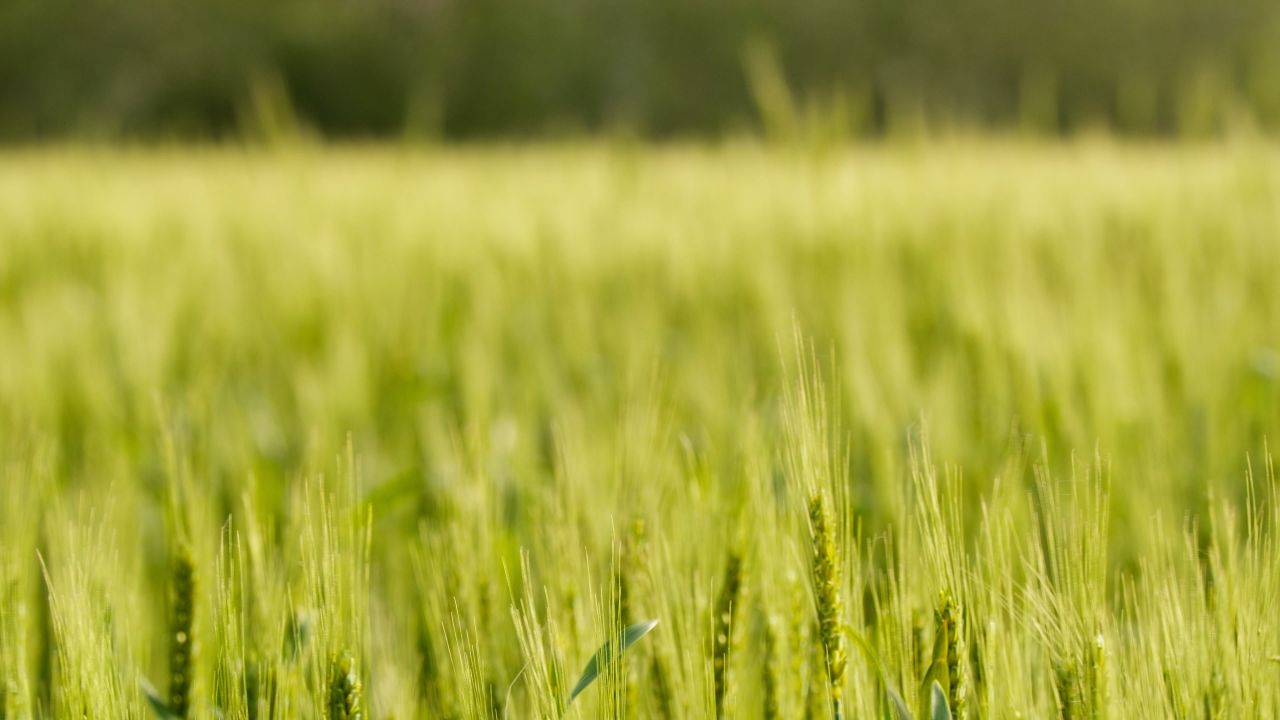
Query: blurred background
[{"x": 463, "y": 69}]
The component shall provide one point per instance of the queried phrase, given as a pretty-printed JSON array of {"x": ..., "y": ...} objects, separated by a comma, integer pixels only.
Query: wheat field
[{"x": 964, "y": 428}]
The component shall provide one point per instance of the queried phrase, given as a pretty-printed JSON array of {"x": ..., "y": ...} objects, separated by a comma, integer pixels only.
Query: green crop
[{"x": 975, "y": 427}]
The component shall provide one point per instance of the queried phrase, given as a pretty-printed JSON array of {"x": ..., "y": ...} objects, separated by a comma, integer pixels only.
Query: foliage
[{"x": 654, "y": 68}]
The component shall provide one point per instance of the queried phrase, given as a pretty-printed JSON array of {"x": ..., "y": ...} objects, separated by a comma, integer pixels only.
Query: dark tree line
[{"x": 658, "y": 68}]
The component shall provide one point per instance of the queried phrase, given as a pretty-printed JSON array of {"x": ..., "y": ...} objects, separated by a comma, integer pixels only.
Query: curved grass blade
[
  {"x": 297, "y": 633},
  {"x": 940, "y": 711},
  {"x": 937, "y": 675},
  {"x": 609, "y": 652},
  {"x": 156, "y": 702},
  {"x": 900, "y": 709}
]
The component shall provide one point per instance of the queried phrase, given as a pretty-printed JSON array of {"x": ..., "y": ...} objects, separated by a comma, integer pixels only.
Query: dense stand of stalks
[{"x": 375, "y": 434}]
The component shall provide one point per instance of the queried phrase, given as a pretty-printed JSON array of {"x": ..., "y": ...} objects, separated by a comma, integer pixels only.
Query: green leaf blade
[
  {"x": 610, "y": 651},
  {"x": 157, "y": 703},
  {"x": 940, "y": 710},
  {"x": 900, "y": 710}
]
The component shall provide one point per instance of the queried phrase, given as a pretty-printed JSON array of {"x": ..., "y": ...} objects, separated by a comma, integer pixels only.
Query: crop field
[{"x": 966, "y": 428}]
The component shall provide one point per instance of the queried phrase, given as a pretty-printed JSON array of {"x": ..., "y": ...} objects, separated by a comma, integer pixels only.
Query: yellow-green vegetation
[{"x": 379, "y": 433}]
